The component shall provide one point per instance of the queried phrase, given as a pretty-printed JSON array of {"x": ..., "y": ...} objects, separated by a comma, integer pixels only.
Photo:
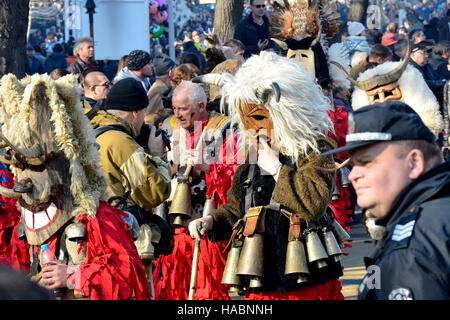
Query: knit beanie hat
[
  {"x": 355, "y": 28},
  {"x": 137, "y": 59},
  {"x": 127, "y": 95},
  {"x": 162, "y": 64}
]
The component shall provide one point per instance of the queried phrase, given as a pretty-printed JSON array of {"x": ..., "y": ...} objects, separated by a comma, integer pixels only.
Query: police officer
[{"x": 400, "y": 177}]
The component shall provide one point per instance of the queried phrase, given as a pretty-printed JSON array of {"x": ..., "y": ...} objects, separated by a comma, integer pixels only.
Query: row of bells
[
  {"x": 247, "y": 260},
  {"x": 181, "y": 210}
]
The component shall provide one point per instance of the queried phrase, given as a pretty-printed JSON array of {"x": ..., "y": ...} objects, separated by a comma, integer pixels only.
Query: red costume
[
  {"x": 172, "y": 273},
  {"x": 59, "y": 186},
  {"x": 12, "y": 252},
  {"x": 113, "y": 269}
]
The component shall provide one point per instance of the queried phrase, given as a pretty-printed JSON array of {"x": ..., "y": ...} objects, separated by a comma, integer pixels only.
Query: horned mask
[
  {"x": 270, "y": 91},
  {"x": 50, "y": 147},
  {"x": 298, "y": 25},
  {"x": 397, "y": 81}
]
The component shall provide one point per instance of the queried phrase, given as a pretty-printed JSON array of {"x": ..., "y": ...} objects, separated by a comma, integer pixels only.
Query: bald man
[{"x": 96, "y": 87}]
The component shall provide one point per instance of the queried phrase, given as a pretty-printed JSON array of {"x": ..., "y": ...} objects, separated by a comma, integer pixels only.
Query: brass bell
[
  {"x": 255, "y": 282},
  {"x": 340, "y": 233},
  {"x": 315, "y": 249},
  {"x": 162, "y": 211},
  {"x": 296, "y": 263},
  {"x": 336, "y": 194},
  {"x": 179, "y": 221},
  {"x": 343, "y": 175},
  {"x": 76, "y": 231},
  {"x": 331, "y": 245},
  {"x": 209, "y": 206},
  {"x": 229, "y": 273},
  {"x": 251, "y": 259},
  {"x": 181, "y": 204}
]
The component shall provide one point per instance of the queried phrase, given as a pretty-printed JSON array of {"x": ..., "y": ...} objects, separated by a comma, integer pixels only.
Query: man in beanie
[
  {"x": 141, "y": 172},
  {"x": 356, "y": 40},
  {"x": 400, "y": 177},
  {"x": 139, "y": 67},
  {"x": 164, "y": 67}
]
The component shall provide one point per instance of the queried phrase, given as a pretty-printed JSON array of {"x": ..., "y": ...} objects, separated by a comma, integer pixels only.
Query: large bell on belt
[
  {"x": 296, "y": 264},
  {"x": 335, "y": 194},
  {"x": 343, "y": 175},
  {"x": 331, "y": 245},
  {"x": 180, "y": 208},
  {"x": 340, "y": 233},
  {"x": 315, "y": 249},
  {"x": 229, "y": 273},
  {"x": 251, "y": 260},
  {"x": 209, "y": 206},
  {"x": 162, "y": 211}
]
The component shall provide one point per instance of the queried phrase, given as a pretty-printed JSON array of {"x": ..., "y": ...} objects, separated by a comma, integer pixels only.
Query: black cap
[
  {"x": 127, "y": 95},
  {"x": 162, "y": 64},
  {"x": 422, "y": 45},
  {"x": 137, "y": 59},
  {"x": 387, "y": 121}
]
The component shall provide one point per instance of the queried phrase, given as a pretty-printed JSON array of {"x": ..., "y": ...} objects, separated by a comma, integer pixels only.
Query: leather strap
[
  {"x": 294, "y": 228},
  {"x": 251, "y": 221}
]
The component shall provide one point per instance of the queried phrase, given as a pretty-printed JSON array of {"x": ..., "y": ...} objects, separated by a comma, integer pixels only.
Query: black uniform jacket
[{"x": 412, "y": 261}]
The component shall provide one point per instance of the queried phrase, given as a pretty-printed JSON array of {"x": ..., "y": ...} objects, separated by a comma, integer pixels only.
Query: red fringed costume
[
  {"x": 342, "y": 206},
  {"x": 112, "y": 269},
  {"x": 13, "y": 252},
  {"x": 330, "y": 290},
  {"x": 172, "y": 273}
]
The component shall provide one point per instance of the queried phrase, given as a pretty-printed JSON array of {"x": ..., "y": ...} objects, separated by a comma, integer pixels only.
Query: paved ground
[{"x": 354, "y": 269}]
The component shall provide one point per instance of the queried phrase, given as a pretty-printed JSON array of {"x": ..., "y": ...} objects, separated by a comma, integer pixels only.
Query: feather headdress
[{"x": 299, "y": 19}]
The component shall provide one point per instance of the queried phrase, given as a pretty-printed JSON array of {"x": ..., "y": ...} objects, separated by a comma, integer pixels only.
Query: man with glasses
[
  {"x": 419, "y": 59},
  {"x": 96, "y": 87},
  {"x": 253, "y": 30}
]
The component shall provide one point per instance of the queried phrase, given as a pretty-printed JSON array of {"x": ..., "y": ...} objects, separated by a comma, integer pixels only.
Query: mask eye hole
[
  {"x": 388, "y": 94},
  {"x": 258, "y": 117}
]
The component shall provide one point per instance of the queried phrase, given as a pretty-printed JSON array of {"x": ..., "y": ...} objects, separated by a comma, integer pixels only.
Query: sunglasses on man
[{"x": 260, "y": 6}]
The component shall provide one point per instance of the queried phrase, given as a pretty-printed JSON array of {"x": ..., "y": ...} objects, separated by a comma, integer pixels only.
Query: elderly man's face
[
  {"x": 87, "y": 51},
  {"x": 184, "y": 111},
  {"x": 379, "y": 173}
]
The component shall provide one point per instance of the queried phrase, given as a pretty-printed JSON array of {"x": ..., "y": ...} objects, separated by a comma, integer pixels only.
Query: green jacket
[{"x": 128, "y": 167}]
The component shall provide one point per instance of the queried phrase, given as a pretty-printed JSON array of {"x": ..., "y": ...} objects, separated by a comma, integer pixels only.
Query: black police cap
[{"x": 387, "y": 121}]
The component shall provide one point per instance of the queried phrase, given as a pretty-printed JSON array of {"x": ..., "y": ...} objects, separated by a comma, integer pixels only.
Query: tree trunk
[
  {"x": 13, "y": 34},
  {"x": 228, "y": 13},
  {"x": 357, "y": 11}
]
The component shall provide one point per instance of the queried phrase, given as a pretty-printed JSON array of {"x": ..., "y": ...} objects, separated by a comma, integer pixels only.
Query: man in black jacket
[
  {"x": 253, "y": 30},
  {"x": 420, "y": 60},
  {"x": 401, "y": 179},
  {"x": 85, "y": 52}
]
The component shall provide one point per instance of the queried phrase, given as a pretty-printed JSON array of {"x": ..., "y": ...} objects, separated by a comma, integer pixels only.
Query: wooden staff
[
  {"x": 195, "y": 265},
  {"x": 341, "y": 165}
]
